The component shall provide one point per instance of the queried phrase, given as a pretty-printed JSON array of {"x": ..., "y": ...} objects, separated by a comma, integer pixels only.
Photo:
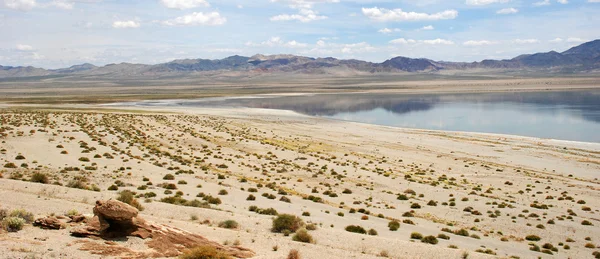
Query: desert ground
[{"x": 452, "y": 194}]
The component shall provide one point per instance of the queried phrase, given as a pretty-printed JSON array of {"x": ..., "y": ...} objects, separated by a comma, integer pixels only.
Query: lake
[{"x": 565, "y": 115}]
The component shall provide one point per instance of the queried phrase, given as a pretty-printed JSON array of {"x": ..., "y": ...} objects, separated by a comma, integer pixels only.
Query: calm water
[{"x": 572, "y": 115}]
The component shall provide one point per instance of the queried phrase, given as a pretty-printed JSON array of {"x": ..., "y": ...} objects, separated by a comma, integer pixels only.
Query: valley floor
[{"x": 498, "y": 189}]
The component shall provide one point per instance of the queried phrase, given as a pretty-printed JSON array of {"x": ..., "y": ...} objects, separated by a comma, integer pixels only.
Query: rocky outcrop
[
  {"x": 49, "y": 223},
  {"x": 114, "y": 219}
]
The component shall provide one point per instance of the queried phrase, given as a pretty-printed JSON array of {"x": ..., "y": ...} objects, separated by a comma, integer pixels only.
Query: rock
[
  {"x": 77, "y": 219},
  {"x": 49, "y": 223},
  {"x": 115, "y": 210}
]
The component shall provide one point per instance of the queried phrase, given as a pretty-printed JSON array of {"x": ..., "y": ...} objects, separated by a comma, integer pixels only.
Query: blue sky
[{"x": 61, "y": 33}]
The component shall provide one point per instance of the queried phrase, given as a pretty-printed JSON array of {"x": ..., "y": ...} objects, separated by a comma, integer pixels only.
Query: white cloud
[
  {"x": 62, "y": 4},
  {"x": 305, "y": 15},
  {"x": 478, "y": 43},
  {"x": 593, "y": 1},
  {"x": 304, "y": 4},
  {"x": 197, "y": 18},
  {"x": 357, "y": 48},
  {"x": 388, "y": 31},
  {"x": 485, "y": 2},
  {"x": 507, "y": 11},
  {"x": 542, "y": 3},
  {"x": 429, "y": 42},
  {"x": 23, "y": 47},
  {"x": 126, "y": 24},
  {"x": 386, "y": 15},
  {"x": 427, "y": 28},
  {"x": 526, "y": 41},
  {"x": 563, "y": 1},
  {"x": 278, "y": 42},
  {"x": 184, "y": 4},
  {"x": 438, "y": 42},
  {"x": 557, "y": 40},
  {"x": 403, "y": 41},
  {"x": 21, "y": 5}
]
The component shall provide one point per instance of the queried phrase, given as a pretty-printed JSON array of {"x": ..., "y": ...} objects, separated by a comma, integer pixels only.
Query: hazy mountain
[{"x": 582, "y": 58}]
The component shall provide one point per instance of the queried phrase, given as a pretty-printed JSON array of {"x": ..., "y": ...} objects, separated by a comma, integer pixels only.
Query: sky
[{"x": 62, "y": 33}]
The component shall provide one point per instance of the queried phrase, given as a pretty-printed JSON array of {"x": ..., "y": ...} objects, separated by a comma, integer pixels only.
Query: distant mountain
[{"x": 582, "y": 58}]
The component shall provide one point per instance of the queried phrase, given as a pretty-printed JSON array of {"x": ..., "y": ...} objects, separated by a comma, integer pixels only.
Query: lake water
[{"x": 568, "y": 115}]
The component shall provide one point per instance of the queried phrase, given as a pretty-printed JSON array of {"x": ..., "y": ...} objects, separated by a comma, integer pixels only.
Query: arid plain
[{"x": 416, "y": 193}]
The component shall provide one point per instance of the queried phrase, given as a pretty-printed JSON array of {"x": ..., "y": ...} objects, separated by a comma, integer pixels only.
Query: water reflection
[{"x": 569, "y": 115}]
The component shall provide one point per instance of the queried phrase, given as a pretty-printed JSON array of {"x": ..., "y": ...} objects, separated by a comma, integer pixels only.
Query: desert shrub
[
  {"x": 311, "y": 226},
  {"x": 372, "y": 232},
  {"x": 306, "y": 214},
  {"x": 204, "y": 252},
  {"x": 394, "y": 225},
  {"x": 251, "y": 197},
  {"x": 286, "y": 222},
  {"x": 22, "y": 214},
  {"x": 128, "y": 197},
  {"x": 589, "y": 245},
  {"x": 347, "y": 191},
  {"x": 303, "y": 236},
  {"x": 38, "y": 177},
  {"x": 84, "y": 159},
  {"x": 402, "y": 197},
  {"x": 230, "y": 224},
  {"x": 533, "y": 238},
  {"x": 408, "y": 221},
  {"x": 443, "y": 236},
  {"x": 586, "y": 223},
  {"x": 415, "y": 206},
  {"x": 293, "y": 254},
  {"x": 13, "y": 224},
  {"x": 223, "y": 192},
  {"x": 416, "y": 235},
  {"x": 3, "y": 214},
  {"x": 462, "y": 232},
  {"x": 285, "y": 199},
  {"x": 10, "y": 165},
  {"x": 169, "y": 177},
  {"x": 429, "y": 240},
  {"x": 113, "y": 188},
  {"x": 72, "y": 212},
  {"x": 356, "y": 229}
]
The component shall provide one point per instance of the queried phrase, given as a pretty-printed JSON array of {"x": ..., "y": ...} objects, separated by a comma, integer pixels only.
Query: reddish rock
[{"x": 49, "y": 223}]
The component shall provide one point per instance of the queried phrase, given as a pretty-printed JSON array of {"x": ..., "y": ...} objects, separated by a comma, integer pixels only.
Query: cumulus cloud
[
  {"x": 126, "y": 24},
  {"x": 388, "y": 31},
  {"x": 278, "y": 42},
  {"x": 67, "y": 5},
  {"x": 304, "y": 4},
  {"x": 478, "y": 43},
  {"x": 575, "y": 40},
  {"x": 21, "y": 5},
  {"x": 542, "y": 3},
  {"x": 305, "y": 15},
  {"x": 507, "y": 11},
  {"x": 563, "y": 1},
  {"x": 387, "y": 15},
  {"x": 557, "y": 40},
  {"x": 184, "y": 4},
  {"x": 197, "y": 18},
  {"x": 427, "y": 28},
  {"x": 23, "y": 47},
  {"x": 485, "y": 2},
  {"x": 429, "y": 42},
  {"x": 526, "y": 41}
]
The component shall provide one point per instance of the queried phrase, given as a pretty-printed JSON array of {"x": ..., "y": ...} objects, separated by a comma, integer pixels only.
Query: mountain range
[{"x": 584, "y": 58}]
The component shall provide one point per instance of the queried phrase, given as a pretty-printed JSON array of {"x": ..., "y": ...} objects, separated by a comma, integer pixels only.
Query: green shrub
[
  {"x": 372, "y": 232},
  {"x": 38, "y": 177},
  {"x": 286, "y": 222},
  {"x": 13, "y": 224},
  {"x": 169, "y": 177},
  {"x": 462, "y": 232},
  {"x": 302, "y": 236},
  {"x": 251, "y": 197},
  {"x": 533, "y": 238},
  {"x": 356, "y": 229},
  {"x": 22, "y": 214},
  {"x": 229, "y": 224},
  {"x": 394, "y": 225},
  {"x": 204, "y": 252},
  {"x": 429, "y": 240},
  {"x": 443, "y": 236},
  {"x": 128, "y": 197},
  {"x": 416, "y": 235}
]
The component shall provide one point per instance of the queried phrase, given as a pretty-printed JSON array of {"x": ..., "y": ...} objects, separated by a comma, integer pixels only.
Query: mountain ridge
[{"x": 582, "y": 58}]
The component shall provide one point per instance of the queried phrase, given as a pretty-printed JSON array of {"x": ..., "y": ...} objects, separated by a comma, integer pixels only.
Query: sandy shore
[{"x": 499, "y": 188}]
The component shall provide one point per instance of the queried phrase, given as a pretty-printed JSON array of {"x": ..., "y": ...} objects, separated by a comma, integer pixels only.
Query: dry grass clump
[
  {"x": 204, "y": 252},
  {"x": 229, "y": 224},
  {"x": 286, "y": 222},
  {"x": 293, "y": 254},
  {"x": 303, "y": 236},
  {"x": 127, "y": 197},
  {"x": 22, "y": 214},
  {"x": 13, "y": 224},
  {"x": 38, "y": 177}
]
